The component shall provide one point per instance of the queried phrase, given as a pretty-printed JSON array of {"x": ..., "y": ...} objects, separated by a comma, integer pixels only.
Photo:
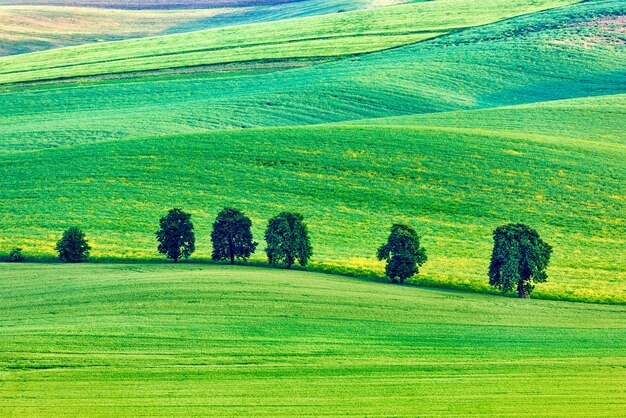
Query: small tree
[
  {"x": 231, "y": 236},
  {"x": 176, "y": 237},
  {"x": 16, "y": 256},
  {"x": 73, "y": 248},
  {"x": 403, "y": 253},
  {"x": 519, "y": 256},
  {"x": 287, "y": 239}
]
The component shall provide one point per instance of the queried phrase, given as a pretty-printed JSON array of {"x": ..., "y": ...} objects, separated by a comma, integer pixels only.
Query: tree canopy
[
  {"x": 73, "y": 247},
  {"x": 287, "y": 239},
  {"x": 175, "y": 236},
  {"x": 403, "y": 253},
  {"x": 232, "y": 236},
  {"x": 519, "y": 257}
]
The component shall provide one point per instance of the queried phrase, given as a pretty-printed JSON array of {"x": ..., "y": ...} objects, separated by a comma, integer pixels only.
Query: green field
[
  {"x": 351, "y": 183},
  {"x": 453, "y": 116},
  {"x": 516, "y": 61},
  {"x": 28, "y": 26},
  {"x": 559, "y": 164},
  {"x": 519, "y": 120},
  {"x": 111, "y": 340},
  {"x": 320, "y": 36}
]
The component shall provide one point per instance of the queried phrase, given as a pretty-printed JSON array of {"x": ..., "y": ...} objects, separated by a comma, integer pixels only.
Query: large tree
[
  {"x": 403, "y": 253},
  {"x": 519, "y": 257},
  {"x": 73, "y": 247},
  {"x": 287, "y": 239},
  {"x": 231, "y": 236},
  {"x": 175, "y": 235}
]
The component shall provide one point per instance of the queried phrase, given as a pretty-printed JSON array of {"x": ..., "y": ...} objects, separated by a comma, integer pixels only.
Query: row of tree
[
  {"x": 519, "y": 257},
  {"x": 286, "y": 236}
]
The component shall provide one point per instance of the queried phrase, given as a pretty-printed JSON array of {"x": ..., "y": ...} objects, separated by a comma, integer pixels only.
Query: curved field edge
[
  {"x": 207, "y": 340},
  {"x": 30, "y": 28},
  {"x": 326, "y": 35},
  {"x": 520, "y": 60},
  {"x": 599, "y": 119},
  {"x": 351, "y": 183}
]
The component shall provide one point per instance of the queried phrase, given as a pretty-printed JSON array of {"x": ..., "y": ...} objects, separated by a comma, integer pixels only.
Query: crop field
[
  {"x": 154, "y": 339},
  {"x": 27, "y": 28},
  {"x": 521, "y": 119},
  {"x": 39, "y": 26},
  {"x": 454, "y": 117},
  {"x": 512, "y": 62},
  {"x": 351, "y": 183},
  {"x": 319, "y": 36}
]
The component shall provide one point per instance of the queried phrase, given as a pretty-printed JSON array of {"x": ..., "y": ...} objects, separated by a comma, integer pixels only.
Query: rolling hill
[
  {"x": 454, "y": 115},
  {"x": 36, "y": 26},
  {"x": 351, "y": 182},
  {"x": 165, "y": 340},
  {"x": 520, "y": 60}
]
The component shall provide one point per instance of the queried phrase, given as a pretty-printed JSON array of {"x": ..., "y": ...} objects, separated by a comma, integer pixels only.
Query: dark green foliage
[
  {"x": 403, "y": 253},
  {"x": 519, "y": 257},
  {"x": 73, "y": 248},
  {"x": 16, "y": 256},
  {"x": 176, "y": 237},
  {"x": 287, "y": 239},
  {"x": 231, "y": 236}
]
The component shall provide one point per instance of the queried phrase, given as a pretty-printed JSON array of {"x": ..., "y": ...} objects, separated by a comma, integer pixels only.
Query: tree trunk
[
  {"x": 521, "y": 293},
  {"x": 231, "y": 248}
]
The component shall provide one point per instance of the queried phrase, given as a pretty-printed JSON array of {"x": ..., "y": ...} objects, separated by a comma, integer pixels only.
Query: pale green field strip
[
  {"x": 595, "y": 119},
  {"x": 520, "y": 60},
  {"x": 351, "y": 184},
  {"x": 31, "y": 28},
  {"x": 163, "y": 340},
  {"x": 327, "y": 35}
]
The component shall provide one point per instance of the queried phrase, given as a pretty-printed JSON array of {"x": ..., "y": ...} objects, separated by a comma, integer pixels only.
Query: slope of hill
[
  {"x": 320, "y": 36},
  {"x": 27, "y": 28},
  {"x": 521, "y": 60},
  {"x": 351, "y": 183},
  {"x": 598, "y": 119},
  {"x": 149, "y": 4},
  {"x": 34, "y": 28},
  {"x": 456, "y": 175},
  {"x": 217, "y": 341}
]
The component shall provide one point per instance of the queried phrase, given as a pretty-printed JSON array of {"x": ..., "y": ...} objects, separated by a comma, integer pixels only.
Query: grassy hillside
[
  {"x": 150, "y": 4},
  {"x": 34, "y": 28},
  {"x": 320, "y": 36},
  {"x": 171, "y": 340},
  {"x": 598, "y": 119},
  {"x": 351, "y": 183},
  {"x": 527, "y": 59},
  {"x": 27, "y": 28}
]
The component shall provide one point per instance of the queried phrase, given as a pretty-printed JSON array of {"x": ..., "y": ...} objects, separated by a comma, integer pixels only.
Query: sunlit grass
[
  {"x": 116, "y": 191},
  {"x": 162, "y": 340}
]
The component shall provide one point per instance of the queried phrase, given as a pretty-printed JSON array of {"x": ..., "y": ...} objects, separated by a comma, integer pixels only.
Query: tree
[
  {"x": 287, "y": 239},
  {"x": 403, "y": 253},
  {"x": 176, "y": 237},
  {"x": 519, "y": 257},
  {"x": 73, "y": 248},
  {"x": 231, "y": 236},
  {"x": 16, "y": 255}
]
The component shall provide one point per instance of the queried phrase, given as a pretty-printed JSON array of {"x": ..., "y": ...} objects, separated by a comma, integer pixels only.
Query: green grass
[
  {"x": 522, "y": 60},
  {"x": 30, "y": 28},
  {"x": 599, "y": 119},
  {"x": 320, "y": 36},
  {"x": 351, "y": 183},
  {"x": 33, "y": 28},
  {"x": 111, "y": 340}
]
